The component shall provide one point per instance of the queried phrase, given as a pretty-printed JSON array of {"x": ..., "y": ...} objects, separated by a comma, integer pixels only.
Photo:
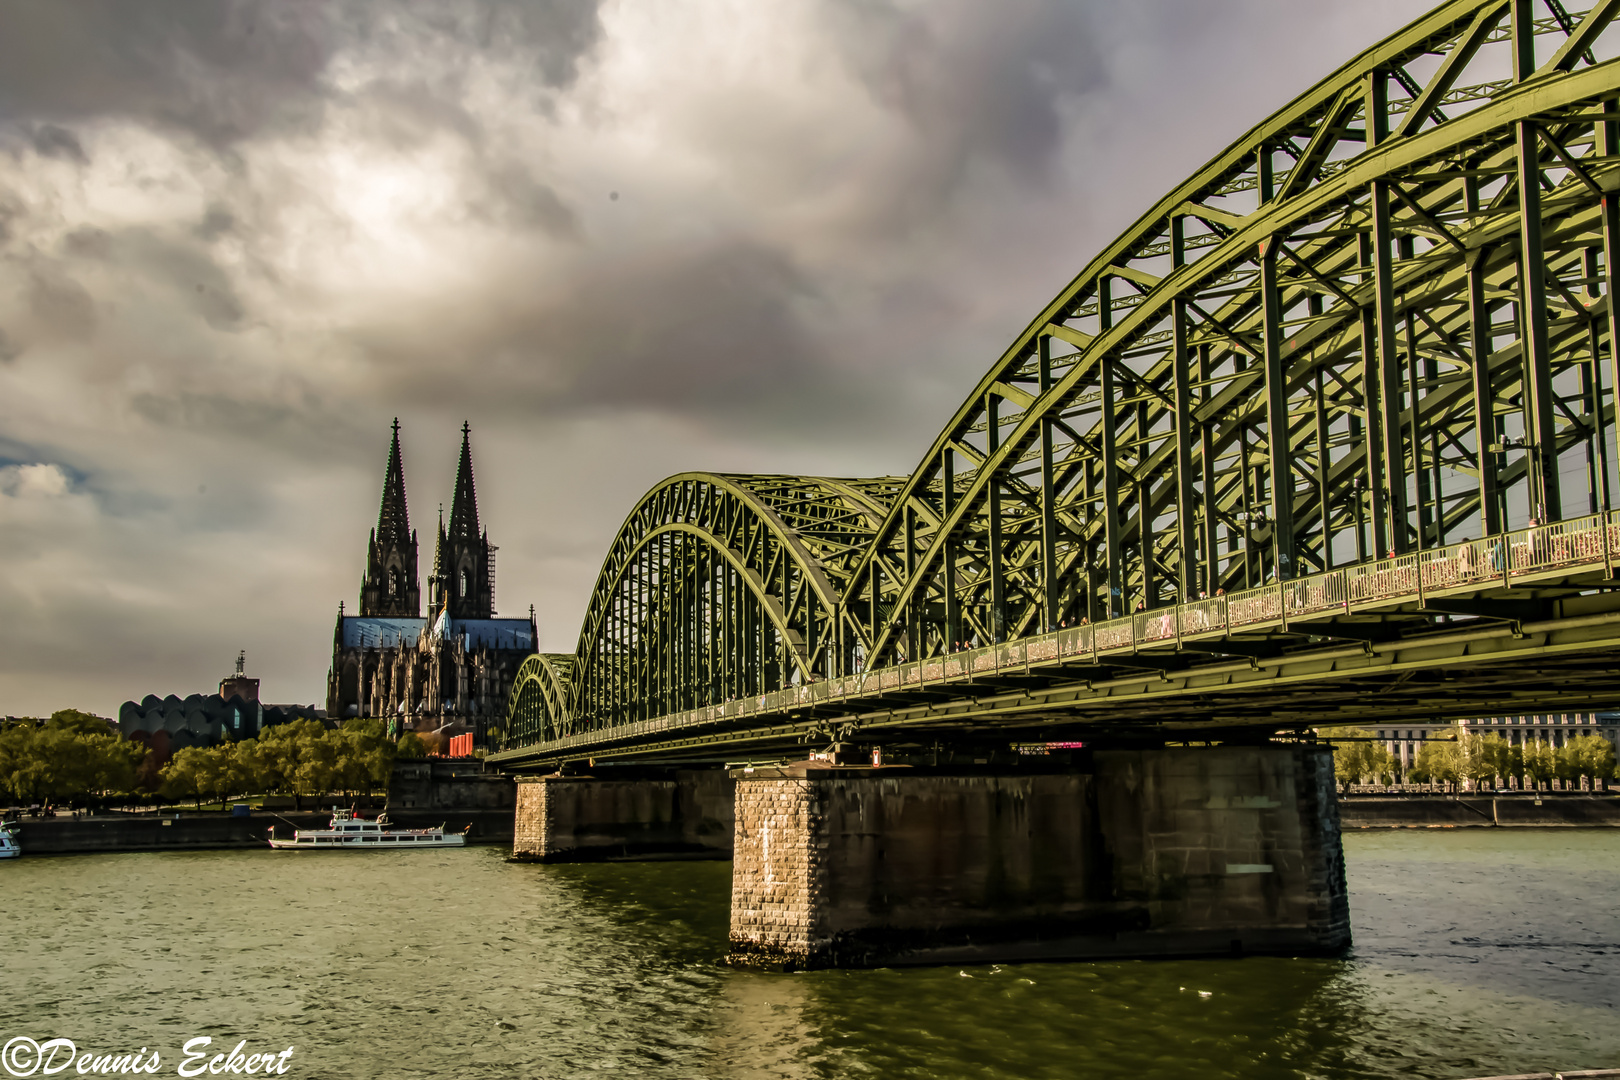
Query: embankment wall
[{"x": 1478, "y": 811}]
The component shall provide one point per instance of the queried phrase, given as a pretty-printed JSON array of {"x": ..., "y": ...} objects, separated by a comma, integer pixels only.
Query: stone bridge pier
[
  {"x": 624, "y": 814},
  {"x": 1125, "y": 853}
]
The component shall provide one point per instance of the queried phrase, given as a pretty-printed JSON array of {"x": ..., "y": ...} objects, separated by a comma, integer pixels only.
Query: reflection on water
[{"x": 1477, "y": 953}]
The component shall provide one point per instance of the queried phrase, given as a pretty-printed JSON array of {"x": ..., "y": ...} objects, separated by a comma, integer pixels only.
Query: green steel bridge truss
[{"x": 1376, "y": 325}]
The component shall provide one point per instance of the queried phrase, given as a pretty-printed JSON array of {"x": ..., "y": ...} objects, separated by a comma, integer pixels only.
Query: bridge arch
[
  {"x": 718, "y": 587},
  {"x": 1347, "y": 275},
  {"x": 537, "y": 709}
]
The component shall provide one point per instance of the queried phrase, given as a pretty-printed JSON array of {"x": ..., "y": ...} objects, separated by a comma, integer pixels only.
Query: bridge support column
[
  {"x": 643, "y": 815},
  {"x": 1142, "y": 853}
]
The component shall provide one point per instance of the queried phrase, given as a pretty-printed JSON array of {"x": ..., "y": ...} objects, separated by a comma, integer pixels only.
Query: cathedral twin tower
[
  {"x": 463, "y": 581},
  {"x": 451, "y": 671}
]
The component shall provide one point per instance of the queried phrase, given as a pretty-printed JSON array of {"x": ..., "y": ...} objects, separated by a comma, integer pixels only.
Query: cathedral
[{"x": 452, "y": 670}]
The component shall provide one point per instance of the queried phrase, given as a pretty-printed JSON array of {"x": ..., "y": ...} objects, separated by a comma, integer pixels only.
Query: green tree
[
  {"x": 61, "y": 772},
  {"x": 1591, "y": 756},
  {"x": 1482, "y": 758},
  {"x": 1358, "y": 755},
  {"x": 190, "y": 774},
  {"x": 1437, "y": 760},
  {"x": 247, "y": 771},
  {"x": 116, "y": 765},
  {"x": 16, "y": 758},
  {"x": 410, "y": 747},
  {"x": 1564, "y": 764},
  {"x": 1540, "y": 762},
  {"x": 366, "y": 754},
  {"x": 317, "y": 769},
  {"x": 80, "y": 723},
  {"x": 72, "y": 758},
  {"x": 286, "y": 755}
]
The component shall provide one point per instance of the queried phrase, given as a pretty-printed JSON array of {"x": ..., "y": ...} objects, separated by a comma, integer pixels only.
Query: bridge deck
[{"x": 1461, "y": 630}]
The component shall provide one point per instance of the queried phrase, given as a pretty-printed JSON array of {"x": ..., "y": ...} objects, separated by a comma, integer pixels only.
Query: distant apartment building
[{"x": 1404, "y": 740}]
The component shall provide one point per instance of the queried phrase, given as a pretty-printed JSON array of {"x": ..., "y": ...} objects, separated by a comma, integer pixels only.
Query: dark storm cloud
[
  {"x": 695, "y": 331},
  {"x": 58, "y": 142},
  {"x": 221, "y": 70},
  {"x": 216, "y": 222},
  {"x": 61, "y": 305},
  {"x": 975, "y": 78},
  {"x": 521, "y": 200},
  {"x": 978, "y": 83},
  {"x": 547, "y": 38},
  {"x": 301, "y": 427},
  {"x": 745, "y": 327},
  {"x": 225, "y": 70},
  {"x": 11, "y": 211},
  {"x": 180, "y": 262},
  {"x": 725, "y": 328}
]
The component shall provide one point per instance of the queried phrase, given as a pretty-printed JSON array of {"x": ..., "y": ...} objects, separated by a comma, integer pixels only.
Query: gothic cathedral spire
[
  {"x": 464, "y": 564},
  {"x": 391, "y": 587}
]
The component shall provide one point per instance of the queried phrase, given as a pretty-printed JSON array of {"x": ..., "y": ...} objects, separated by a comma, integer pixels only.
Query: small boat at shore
[
  {"x": 349, "y": 831},
  {"x": 10, "y": 844}
]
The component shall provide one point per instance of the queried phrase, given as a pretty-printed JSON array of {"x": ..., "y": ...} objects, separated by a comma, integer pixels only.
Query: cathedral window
[
  {"x": 462, "y": 585},
  {"x": 393, "y": 581}
]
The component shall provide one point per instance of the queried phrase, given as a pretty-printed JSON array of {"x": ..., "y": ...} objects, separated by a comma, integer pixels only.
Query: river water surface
[{"x": 1477, "y": 953}]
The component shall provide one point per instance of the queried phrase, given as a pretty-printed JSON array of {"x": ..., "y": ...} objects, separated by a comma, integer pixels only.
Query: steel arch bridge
[{"x": 1372, "y": 333}]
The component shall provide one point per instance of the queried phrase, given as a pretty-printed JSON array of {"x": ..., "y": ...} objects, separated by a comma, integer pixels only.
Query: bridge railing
[
  {"x": 1588, "y": 542},
  {"x": 1468, "y": 564}
]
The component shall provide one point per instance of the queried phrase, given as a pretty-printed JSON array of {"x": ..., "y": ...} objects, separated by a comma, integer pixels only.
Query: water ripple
[{"x": 1477, "y": 953}]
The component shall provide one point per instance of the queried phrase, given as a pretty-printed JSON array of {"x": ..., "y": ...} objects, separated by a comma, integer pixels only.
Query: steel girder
[
  {"x": 1378, "y": 322},
  {"x": 1375, "y": 323}
]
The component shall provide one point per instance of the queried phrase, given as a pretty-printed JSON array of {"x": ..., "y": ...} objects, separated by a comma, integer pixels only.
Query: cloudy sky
[{"x": 622, "y": 239}]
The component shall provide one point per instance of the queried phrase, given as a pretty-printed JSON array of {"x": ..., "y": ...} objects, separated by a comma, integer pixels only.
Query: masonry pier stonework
[
  {"x": 626, "y": 813},
  {"x": 1175, "y": 851}
]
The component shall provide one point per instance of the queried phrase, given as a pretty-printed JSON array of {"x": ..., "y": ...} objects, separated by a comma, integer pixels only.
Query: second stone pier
[
  {"x": 640, "y": 814},
  {"x": 1177, "y": 851}
]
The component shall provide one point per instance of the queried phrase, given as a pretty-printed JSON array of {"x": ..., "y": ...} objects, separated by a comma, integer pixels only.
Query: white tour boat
[
  {"x": 350, "y": 832},
  {"x": 10, "y": 845}
]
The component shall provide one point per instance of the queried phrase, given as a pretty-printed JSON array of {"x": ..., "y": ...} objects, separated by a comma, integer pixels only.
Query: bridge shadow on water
[{"x": 1477, "y": 955}]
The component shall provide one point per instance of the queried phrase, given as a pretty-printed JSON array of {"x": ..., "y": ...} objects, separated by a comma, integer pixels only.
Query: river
[{"x": 1477, "y": 953}]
